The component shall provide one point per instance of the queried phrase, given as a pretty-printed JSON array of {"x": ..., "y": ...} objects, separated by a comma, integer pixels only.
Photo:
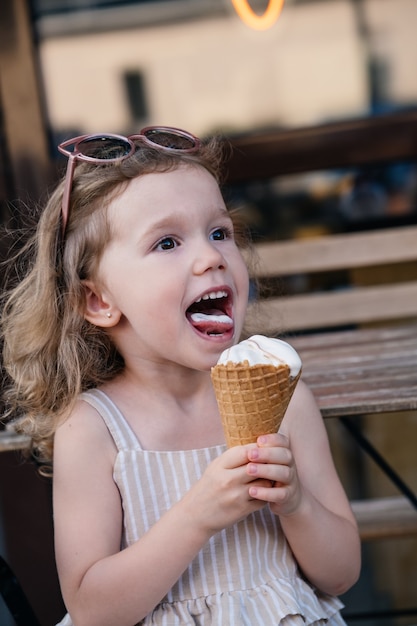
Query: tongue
[{"x": 211, "y": 324}]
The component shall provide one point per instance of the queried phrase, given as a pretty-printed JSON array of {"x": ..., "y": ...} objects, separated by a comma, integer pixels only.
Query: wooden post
[
  {"x": 25, "y": 171},
  {"x": 25, "y": 164}
]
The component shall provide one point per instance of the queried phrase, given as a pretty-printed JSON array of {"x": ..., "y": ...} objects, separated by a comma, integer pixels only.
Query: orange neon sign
[{"x": 258, "y": 22}]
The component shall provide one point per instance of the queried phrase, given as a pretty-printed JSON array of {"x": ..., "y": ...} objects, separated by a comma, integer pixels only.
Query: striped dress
[{"x": 245, "y": 575}]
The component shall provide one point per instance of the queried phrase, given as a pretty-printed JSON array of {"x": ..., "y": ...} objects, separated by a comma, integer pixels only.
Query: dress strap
[{"x": 120, "y": 430}]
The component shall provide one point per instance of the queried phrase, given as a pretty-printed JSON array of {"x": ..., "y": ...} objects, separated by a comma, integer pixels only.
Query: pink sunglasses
[{"x": 108, "y": 148}]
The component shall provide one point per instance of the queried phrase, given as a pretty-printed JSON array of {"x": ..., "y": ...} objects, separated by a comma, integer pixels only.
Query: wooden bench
[
  {"x": 10, "y": 440},
  {"x": 355, "y": 304},
  {"x": 380, "y": 518},
  {"x": 348, "y": 371}
]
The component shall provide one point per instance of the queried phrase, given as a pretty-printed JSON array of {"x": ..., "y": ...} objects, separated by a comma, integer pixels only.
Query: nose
[{"x": 208, "y": 257}]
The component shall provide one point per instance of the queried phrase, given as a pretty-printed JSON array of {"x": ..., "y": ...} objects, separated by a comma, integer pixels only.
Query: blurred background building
[
  {"x": 194, "y": 64},
  {"x": 117, "y": 66}
]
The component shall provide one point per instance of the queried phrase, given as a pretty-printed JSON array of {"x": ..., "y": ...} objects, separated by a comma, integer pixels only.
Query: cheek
[{"x": 158, "y": 298}]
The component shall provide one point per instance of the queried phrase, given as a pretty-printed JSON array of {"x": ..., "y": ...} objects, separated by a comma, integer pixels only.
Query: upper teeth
[{"x": 213, "y": 295}]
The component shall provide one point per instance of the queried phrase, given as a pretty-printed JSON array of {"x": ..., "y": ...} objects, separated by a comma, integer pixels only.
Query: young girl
[{"x": 137, "y": 285}]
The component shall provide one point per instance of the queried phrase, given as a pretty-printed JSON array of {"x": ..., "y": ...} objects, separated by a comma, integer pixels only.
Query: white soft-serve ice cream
[
  {"x": 260, "y": 349},
  {"x": 254, "y": 382}
]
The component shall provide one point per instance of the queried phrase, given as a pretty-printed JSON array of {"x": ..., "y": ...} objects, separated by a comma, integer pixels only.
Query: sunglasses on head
[{"x": 108, "y": 148}]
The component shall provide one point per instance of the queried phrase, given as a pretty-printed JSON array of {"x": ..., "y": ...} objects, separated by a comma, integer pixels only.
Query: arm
[
  {"x": 102, "y": 585},
  {"x": 308, "y": 497}
]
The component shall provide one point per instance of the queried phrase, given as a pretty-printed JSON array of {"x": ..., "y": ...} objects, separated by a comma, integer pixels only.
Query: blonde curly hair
[{"x": 50, "y": 352}]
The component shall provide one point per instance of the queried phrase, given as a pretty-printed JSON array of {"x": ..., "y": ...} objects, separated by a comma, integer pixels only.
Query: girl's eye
[
  {"x": 167, "y": 243},
  {"x": 222, "y": 233}
]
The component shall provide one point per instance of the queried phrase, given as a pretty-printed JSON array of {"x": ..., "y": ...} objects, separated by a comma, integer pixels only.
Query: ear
[{"x": 98, "y": 310}]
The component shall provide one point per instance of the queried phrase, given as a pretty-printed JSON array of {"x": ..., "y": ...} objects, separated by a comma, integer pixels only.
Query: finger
[
  {"x": 278, "y": 455},
  {"x": 281, "y": 474},
  {"x": 237, "y": 455},
  {"x": 268, "y": 493},
  {"x": 259, "y": 486},
  {"x": 274, "y": 439}
]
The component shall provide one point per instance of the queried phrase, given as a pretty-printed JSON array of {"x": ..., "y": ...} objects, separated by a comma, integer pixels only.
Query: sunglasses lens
[
  {"x": 170, "y": 139},
  {"x": 105, "y": 148}
]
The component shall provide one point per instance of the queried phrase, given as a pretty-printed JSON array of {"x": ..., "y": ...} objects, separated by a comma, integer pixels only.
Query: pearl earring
[{"x": 108, "y": 314}]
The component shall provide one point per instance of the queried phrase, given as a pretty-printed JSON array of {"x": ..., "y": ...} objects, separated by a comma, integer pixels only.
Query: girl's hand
[
  {"x": 221, "y": 497},
  {"x": 271, "y": 459}
]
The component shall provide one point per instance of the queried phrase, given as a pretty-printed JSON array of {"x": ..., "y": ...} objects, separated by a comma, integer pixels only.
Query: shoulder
[
  {"x": 303, "y": 401},
  {"x": 83, "y": 434},
  {"x": 303, "y": 417},
  {"x": 303, "y": 395}
]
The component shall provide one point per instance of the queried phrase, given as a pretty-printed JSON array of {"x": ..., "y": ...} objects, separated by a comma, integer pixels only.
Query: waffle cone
[{"x": 252, "y": 400}]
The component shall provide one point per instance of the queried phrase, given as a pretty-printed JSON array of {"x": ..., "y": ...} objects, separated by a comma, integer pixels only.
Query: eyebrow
[
  {"x": 164, "y": 223},
  {"x": 174, "y": 220}
]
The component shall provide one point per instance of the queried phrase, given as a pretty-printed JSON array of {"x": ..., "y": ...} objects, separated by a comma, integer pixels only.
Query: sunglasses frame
[{"x": 144, "y": 136}]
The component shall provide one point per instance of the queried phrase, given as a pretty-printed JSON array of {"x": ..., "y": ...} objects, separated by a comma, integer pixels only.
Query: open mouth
[{"x": 211, "y": 313}]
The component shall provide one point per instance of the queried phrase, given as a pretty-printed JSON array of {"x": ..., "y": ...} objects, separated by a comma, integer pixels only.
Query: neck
[{"x": 169, "y": 411}]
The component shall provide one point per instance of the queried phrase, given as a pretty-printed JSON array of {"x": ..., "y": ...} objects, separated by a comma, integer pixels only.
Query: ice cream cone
[{"x": 252, "y": 399}]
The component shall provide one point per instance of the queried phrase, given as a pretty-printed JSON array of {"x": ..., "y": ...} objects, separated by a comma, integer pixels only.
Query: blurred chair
[{"x": 14, "y": 597}]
